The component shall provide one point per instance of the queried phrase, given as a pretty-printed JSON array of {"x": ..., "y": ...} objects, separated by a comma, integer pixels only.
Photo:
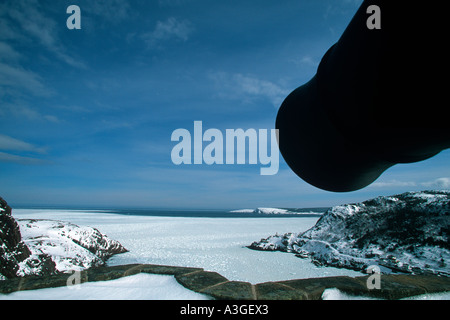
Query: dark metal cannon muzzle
[{"x": 379, "y": 98}]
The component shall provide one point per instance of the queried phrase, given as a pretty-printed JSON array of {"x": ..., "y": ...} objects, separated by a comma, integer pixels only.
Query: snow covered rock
[
  {"x": 69, "y": 246},
  {"x": 45, "y": 247},
  {"x": 409, "y": 232},
  {"x": 12, "y": 248}
]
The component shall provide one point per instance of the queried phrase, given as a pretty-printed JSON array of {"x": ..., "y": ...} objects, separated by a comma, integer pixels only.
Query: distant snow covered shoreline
[{"x": 278, "y": 211}]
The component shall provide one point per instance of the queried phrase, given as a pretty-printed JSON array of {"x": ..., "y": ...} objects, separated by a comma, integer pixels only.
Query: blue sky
[{"x": 87, "y": 115}]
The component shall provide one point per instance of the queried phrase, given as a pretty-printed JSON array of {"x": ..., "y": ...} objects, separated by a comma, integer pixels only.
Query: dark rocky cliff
[{"x": 12, "y": 249}]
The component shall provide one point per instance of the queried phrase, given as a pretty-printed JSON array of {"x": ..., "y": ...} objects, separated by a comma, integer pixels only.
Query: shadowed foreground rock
[
  {"x": 218, "y": 287},
  {"x": 12, "y": 249}
]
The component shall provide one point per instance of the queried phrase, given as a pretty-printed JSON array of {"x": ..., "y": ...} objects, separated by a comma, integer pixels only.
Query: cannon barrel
[{"x": 379, "y": 98}]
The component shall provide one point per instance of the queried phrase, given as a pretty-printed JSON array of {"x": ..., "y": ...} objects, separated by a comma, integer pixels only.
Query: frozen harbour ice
[{"x": 214, "y": 244}]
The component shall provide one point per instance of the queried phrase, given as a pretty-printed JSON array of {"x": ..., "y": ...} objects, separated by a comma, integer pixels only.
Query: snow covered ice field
[{"x": 214, "y": 244}]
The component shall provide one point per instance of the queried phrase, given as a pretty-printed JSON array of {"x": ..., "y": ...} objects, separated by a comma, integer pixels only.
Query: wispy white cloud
[
  {"x": 16, "y": 78},
  {"x": 306, "y": 61},
  {"x": 111, "y": 10},
  {"x": 7, "y": 53},
  {"x": 30, "y": 22},
  {"x": 22, "y": 111},
  {"x": 439, "y": 183},
  {"x": 223, "y": 185},
  {"x": 341, "y": 8},
  {"x": 7, "y": 32},
  {"x": 6, "y": 157},
  {"x": 171, "y": 29},
  {"x": 172, "y": 3},
  {"x": 9, "y": 143},
  {"x": 51, "y": 118},
  {"x": 393, "y": 184},
  {"x": 247, "y": 88}
]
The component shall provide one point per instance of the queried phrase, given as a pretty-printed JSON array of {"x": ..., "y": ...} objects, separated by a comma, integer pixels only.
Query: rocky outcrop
[
  {"x": 69, "y": 246},
  {"x": 47, "y": 247},
  {"x": 408, "y": 233},
  {"x": 93, "y": 240},
  {"x": 12, "y": 249}
]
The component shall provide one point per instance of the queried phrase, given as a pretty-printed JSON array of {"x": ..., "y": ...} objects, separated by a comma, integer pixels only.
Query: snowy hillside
[
  {"x": 408, "y": 233},
  {"x": 278, "y": 211},
  {"x": 70, "y": 247}
]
